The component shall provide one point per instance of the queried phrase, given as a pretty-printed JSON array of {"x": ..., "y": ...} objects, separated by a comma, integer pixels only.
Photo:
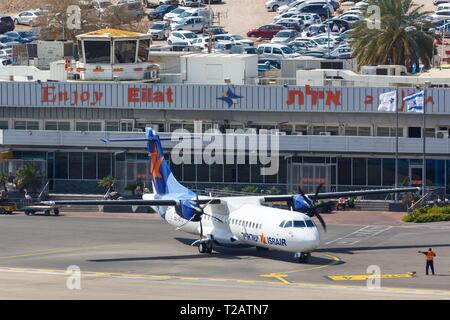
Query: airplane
[{"x": 231, "y": 221}]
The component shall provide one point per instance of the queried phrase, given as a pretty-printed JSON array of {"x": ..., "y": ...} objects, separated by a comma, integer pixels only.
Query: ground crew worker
[{"x": 430, "y": 264}]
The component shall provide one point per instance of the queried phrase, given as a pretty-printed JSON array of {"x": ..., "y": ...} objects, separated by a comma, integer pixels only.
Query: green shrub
[
  {"x": 250, "y": 189},
  {"x": 433, "y": 214}
]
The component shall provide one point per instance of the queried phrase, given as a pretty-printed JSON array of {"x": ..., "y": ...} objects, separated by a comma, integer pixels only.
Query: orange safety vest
[{"x": 430, "y": 255}]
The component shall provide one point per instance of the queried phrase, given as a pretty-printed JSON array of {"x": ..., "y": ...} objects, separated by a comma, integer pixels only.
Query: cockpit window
[
  {"x": 288, "y": 224},
  {"x": 309, "y": 223},
  {"x": 299, "y": 224},
  {"x": 282, "y": 223}
]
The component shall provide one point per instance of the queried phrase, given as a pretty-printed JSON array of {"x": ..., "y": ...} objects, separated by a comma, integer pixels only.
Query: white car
[
  {"x": 234, "y": 38},
  {"x": 27, "y": 17},
  {"x": 195, "y": 24},
  {"x": 197, "y": 12},
  {"x": 201, "y": 42},
  {"x": 276, "y": 51},
  {"x": 174, "y": 13},
  {"x": 273, "y": 5},
  {"x": 181, "y": 38},
  {"x": 285, "y": 36},
  {"x": 159, "y": 30}
]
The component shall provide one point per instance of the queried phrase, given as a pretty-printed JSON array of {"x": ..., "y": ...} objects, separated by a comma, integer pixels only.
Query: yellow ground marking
[
  {"x": 334, "y": 260},
  {"x": 67, "y": 250},
  {"x": 61, "y": 272},
  {"x": 363, "y": 277},
  {"x": 278, "y": 276}
]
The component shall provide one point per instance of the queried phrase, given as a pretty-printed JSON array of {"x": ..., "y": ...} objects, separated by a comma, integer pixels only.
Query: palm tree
[
  {"x": 402, "y": 39},
  {"x": 4, "y": 178},
  {"x": 28, "y": 176}
]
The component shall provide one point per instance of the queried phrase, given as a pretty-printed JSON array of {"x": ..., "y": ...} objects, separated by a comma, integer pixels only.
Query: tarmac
[{"x": 139, "y": 256}]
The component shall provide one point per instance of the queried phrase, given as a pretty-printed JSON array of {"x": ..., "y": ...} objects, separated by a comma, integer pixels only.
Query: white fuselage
[{"x": 245, "y": 221}]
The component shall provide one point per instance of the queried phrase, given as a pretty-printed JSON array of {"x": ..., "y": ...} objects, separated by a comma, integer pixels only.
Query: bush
[{"x": 433, "y": 214}]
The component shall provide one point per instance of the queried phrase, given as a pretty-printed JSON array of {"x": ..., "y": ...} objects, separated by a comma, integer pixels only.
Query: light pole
[
  {"x": 209, "y": 28},
  {"x": 327, "y": 6}
]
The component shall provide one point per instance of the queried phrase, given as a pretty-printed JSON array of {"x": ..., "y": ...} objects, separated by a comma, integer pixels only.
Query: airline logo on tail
[{"x": 163, "y": 180}]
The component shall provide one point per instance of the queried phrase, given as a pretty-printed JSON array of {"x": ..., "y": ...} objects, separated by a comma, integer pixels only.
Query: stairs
[{"x": 380, "y": 205}]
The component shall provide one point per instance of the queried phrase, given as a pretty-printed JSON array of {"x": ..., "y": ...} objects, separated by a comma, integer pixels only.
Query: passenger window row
[{"x": 246, "y": 224}]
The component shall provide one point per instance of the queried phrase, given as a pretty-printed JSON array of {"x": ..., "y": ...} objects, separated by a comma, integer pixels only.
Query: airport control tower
[{"x": 111, "y": 54}]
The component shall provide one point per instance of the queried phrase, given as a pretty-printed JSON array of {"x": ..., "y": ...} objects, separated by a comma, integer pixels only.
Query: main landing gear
[
  {"x": 205, "y": 247},
  {"x": 303, "y": 257}
]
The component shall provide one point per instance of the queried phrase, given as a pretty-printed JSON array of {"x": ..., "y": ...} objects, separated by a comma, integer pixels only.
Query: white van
[{"x": 276, "y": 51}]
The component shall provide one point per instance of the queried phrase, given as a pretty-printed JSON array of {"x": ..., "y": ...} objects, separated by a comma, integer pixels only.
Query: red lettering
[
  {"x": 85, "y": 95},
  {"x": 293, "y": 94},
  {"x": 133, "y": 95},
  {"x": 75, "y": 98},
  {"x": 169, "y": 94},
  {"x": 369, "y": 100},
  {"x": 46, "y": 92},
  {"x": 158, "y": 97},
  {"x": 97, "y": 97},
  {"x": 333, "y": 98},
  {"x": 63, "y": 96}
]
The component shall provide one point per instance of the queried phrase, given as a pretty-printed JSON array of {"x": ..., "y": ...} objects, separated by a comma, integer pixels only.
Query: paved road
[{"x": 137, "y": 256}]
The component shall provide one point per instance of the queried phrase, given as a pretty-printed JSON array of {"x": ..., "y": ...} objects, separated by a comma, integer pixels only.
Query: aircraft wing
[
  {"x": 344, "y": 194},
  {"x": 138, "y": 202}
]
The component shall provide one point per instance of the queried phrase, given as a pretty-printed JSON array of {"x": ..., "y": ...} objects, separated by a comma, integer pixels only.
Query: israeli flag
[
  {"x": 388, "y": 102},
  {"x": 415, "y": 102}
]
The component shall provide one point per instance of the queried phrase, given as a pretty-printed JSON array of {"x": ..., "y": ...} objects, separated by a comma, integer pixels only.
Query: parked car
[
  {"x": 195, "y": 24},
  {"x": 5, "y": 62},
  {"x": 201, "y": 42},
  {"x": 27, "y": 17},
  {"x": 159, "y": 12},
  {"x": 293, "y": 24},
  {"x": 6, "y": 53},
  {"x": 233, "y": 38},
  {"x": 174, "y": 13},
  {"x": 195, "y": 12},
  {"x": 342, "y": 53},
  {"x": 227, "y": 47},
  {"x": 159, "y": 30},
  {"x": 214, "y": 30},
  {"x": 191, "y": 3},
  {"x": 273, "y": 5},
  {"x": 6, "y": 24},
  {"x": 276, "y": 51},
  {"x": 21, "y": 36},
  {"x": 266, "y": 31},
  {"x": 6, "y": 42},
  {"x": 285, "y": 36},
  {"x": 181, "y": 38}
]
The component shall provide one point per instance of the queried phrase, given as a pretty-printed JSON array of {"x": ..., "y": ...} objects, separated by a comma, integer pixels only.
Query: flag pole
[
  {"x": 396, "y": 142},
  {"x": 424, "y": 158}
]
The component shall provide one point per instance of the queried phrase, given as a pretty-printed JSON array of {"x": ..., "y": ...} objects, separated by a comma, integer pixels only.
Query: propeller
[
  {"x": 200, "y": 209},
  {"x": 312, "y": 210}
]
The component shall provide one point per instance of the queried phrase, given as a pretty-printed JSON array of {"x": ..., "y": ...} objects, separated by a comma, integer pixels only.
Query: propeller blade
[
  {"x": 324, "y": 225},
  {"x": 192, "y": 218},
  {"x": 308, "y": 201}
]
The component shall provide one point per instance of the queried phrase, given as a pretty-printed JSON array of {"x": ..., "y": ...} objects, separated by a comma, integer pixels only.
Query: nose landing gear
[{"x": 303, "y": 257}]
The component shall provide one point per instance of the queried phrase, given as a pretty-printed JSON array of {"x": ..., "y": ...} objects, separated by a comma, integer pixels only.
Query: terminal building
[{"x": 330, "y": 135}]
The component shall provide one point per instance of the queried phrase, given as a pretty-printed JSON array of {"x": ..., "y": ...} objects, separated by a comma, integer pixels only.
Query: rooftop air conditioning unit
[
  {"x": 442, "y": 134},
  {"x": 325, "y": 133},
  {"x": 263, "y": 131}
]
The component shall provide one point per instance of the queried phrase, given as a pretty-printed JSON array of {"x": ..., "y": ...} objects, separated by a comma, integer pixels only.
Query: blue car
[
  {"x": 21, "y": 36},
  {"x": 159, "y": 12},
  {"x": 6, "y": 42}
]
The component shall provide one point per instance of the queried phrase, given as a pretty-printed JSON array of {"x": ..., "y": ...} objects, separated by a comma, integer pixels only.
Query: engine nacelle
[
  {"x": 187, "y": 210},
  {"x": 299, "y": 204}
]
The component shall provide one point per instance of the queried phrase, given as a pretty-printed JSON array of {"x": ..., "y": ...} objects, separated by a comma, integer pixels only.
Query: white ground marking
[{"x": 360, "y": 235}]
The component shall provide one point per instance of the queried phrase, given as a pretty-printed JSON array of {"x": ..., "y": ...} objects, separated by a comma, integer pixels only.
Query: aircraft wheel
[
  {"x": 56, "y": 212},
  {"x": 209, "y": 248},
  {"x": 47, "y": 212},
  {"x": 202, "y": 247},
  {"x": 304, "y": 257}
]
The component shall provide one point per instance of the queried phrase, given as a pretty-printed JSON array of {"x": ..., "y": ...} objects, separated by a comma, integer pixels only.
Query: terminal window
[
  {"x": 97, "y": 51},
  {"x": 4, "y": 124},
  {"x": 26, "y": 125}
]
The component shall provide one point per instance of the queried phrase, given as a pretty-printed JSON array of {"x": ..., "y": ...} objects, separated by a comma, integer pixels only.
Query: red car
[{"x": 267, "y": 31}]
